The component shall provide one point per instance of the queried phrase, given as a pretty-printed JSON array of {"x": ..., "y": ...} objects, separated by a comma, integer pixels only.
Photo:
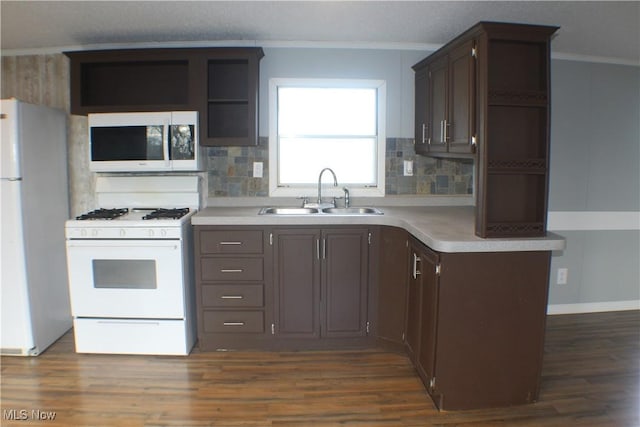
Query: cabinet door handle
[
  {"x": 416, "y": 260},
  {"x": 232, "y": 297},
  {"x": 447, "y": 126},
  {"x": 442, "y": 131},
  {"x": 233, "y": 323},
  {"x": 424, "y": 132},
  {"x": 324, "y": 248},
  {"x": 231, "y": 270},
  {"x": 318, "y": 248},
  {"x": 230, "y": 243}
]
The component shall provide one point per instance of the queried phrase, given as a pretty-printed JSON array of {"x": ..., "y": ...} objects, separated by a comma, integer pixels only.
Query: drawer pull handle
[
  {"x": 230, "y": 243},
  {"x": 231, "y": 270},
  {"x": 233, "y": 323},
  {"x": 232, "y": 297}
]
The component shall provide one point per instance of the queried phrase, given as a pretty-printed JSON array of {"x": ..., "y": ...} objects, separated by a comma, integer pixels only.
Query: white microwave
[{"x": 139, "y": 142}]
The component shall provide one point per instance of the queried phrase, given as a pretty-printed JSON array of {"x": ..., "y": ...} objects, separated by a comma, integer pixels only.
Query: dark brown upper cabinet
[
  {"x": 445, "y": 102},
  {"x": 487, "y": 98},
  {"x": 222, "y": 84}
]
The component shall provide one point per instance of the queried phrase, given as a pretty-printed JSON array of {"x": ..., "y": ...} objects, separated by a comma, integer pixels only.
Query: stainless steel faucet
[
  {"x": 335, "y": 183},
  {"x": 347, "y": 199}
]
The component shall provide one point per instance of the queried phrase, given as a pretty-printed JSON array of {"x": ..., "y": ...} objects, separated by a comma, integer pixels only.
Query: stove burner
[
  {"x": 103, "y": 214},
  {"x": 167, "y": 213}
]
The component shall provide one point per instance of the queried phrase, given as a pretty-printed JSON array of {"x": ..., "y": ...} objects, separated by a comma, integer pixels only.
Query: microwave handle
[{"x": 165, "y": 138}]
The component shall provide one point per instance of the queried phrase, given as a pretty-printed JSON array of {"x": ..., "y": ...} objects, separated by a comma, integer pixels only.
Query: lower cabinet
[
  {"x": 472, "y": 323},
  {"x": 233, "y": 287},
  {"x": 282, "y": 288},
  {"x": 475, "y": 325},
  {"x": 321, "y": 282}
]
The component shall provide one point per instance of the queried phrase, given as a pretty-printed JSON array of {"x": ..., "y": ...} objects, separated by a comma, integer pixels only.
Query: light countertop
[{"x": 442, "y": 228}]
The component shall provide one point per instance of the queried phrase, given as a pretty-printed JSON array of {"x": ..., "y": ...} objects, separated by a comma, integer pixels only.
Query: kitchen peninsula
[{"x": 470, "y": 312}]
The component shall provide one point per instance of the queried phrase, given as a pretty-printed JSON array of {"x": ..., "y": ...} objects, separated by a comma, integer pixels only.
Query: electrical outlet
[
  {"x": 257, "y": 169},
  {"x": 408, "y": 168},
  {"x": 561, "y": 279}
]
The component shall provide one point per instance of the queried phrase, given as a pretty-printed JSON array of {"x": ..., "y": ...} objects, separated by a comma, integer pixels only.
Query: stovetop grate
[
  {"x": 103, "y": 214},
  {"x": 167, "y": 213}
]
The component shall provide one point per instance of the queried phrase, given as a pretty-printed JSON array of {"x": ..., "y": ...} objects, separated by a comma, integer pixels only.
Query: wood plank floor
[{"x": 591, "y": 377}]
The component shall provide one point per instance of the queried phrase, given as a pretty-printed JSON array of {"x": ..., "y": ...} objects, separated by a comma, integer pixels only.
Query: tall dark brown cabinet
[{"x": 485, "y": 95}]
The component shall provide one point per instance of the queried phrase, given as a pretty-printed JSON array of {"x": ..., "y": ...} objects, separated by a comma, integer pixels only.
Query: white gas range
[{"x": 130, "y": 267}]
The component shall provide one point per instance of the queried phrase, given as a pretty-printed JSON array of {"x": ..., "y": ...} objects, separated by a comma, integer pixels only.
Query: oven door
[{"x": 126, "y": 278}]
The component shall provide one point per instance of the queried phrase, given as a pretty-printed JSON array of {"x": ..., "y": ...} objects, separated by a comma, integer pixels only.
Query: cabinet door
[
  {"x": 461, "y": 108},
  {"x": 297, "y": 283},
  {"x": 438, "y": 81},
  {"x": 428, "y": 315},
  {"x": 392, "y": 284},
  {"x": 422, "y": 126},
  {"x": 345, "y": 257}
]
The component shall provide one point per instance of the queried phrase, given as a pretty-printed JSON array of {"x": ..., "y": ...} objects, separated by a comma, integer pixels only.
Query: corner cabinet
[
  {"x": 485, "y": 95},
  {"x": 222, "y": 84},
  {"x": 475, "y": 325}
]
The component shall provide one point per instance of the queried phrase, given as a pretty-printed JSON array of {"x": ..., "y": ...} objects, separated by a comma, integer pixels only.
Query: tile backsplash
[{"x": 230, "y": 171}]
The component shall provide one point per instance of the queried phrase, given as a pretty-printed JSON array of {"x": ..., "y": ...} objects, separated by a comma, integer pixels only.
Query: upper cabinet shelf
[{"x": 222, "y": 84}]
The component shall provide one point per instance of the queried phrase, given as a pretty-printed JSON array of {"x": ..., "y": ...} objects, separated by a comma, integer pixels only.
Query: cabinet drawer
[
  {"x": 231, "y": 269},
  {"x": 233, "y": 321},
  {"x": 231, "y": 242},
  {"x": 232, "y": 295}
]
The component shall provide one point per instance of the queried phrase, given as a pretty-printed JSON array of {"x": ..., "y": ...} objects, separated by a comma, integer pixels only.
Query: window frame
[{"x": 311, "y": 190}]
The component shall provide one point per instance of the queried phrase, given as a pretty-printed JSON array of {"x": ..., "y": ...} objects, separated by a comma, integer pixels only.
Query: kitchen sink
[
  {"x": 352, "y": 211},
  {"x": 288, "y": 211},
  {"x": 316, "y": 211}
]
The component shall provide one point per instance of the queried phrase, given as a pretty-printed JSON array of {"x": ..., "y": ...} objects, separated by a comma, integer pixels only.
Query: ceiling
[{"x": 605, "y": 29}]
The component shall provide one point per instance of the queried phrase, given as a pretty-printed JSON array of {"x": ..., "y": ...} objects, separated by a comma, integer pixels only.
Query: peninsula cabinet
[
  {"x": 222, "y": 84},
  {"x": 485, "y": 95},
  {"x": 321, "y": 282},
  {"x": 475, "y": 325}
]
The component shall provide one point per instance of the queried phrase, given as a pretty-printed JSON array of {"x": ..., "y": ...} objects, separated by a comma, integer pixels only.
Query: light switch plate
[{"x": 257, "y": 169}]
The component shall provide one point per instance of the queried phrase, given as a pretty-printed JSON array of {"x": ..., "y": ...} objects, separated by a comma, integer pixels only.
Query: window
[{"x": 315, "y": 124}]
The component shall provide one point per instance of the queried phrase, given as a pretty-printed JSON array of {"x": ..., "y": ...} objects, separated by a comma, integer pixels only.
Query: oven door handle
[{"x": 124, "y": 244}]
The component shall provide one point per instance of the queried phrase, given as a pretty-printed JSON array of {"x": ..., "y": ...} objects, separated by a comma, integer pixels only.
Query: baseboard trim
[{"x": 593, "y": 307}]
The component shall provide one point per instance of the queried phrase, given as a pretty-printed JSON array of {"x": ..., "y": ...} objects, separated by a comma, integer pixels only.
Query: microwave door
[{"x": 126, "y": 142}]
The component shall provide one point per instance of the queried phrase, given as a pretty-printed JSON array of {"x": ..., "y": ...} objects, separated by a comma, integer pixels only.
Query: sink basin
[
  {"x": 316, "y": 211},
  {"x": 352, "y": 211},
  {"x": 288, "y": 211}
]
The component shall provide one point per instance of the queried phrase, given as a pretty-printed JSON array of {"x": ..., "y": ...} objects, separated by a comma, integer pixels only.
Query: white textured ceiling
[{"x": 595, "y": 28}]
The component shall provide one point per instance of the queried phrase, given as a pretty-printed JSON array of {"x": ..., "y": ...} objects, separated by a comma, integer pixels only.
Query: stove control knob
[
  {"x": 163, "y": 233},
  {"x": 94, "y": 232},
  {"x": 122, "y": 232},
  {"x": 151, "y": 233},
  {"x": 83, "y": 233}
]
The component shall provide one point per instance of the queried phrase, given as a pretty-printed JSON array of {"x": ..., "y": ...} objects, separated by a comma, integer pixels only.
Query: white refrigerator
[{"x": 34, "y": 206}]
